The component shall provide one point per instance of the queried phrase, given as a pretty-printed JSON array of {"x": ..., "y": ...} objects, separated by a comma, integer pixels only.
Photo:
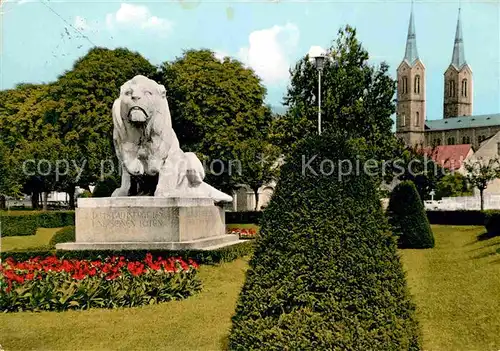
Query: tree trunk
[
  {"x": 45, "y": 206},
  {"x": 256, "y": 191},
  {"x": 71, "y": 193},
  {"x": 482, "y": 198},
  {"x": 3, "y": 202},
  {"x": 35, "y": 196}
]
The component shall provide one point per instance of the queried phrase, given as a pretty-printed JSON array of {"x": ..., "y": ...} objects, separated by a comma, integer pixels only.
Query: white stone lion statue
[{"x": 148, "y": 149}]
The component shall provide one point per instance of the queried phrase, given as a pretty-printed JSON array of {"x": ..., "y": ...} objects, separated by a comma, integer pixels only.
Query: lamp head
[{"x": 318, "y": 57}]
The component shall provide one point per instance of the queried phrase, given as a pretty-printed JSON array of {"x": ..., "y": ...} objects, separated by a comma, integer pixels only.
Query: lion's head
[
  {"x": 140, "y": 99},
  {"x": 142, "y": 105}
]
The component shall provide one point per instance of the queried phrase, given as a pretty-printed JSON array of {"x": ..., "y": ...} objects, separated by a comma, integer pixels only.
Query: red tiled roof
[{"x": 449, "y": 156}]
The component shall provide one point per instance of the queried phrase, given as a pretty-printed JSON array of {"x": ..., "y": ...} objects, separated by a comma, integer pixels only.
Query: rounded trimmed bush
[
  {"x": 63, "y": 235},
  {"x": 325, "y": 274},
  {"x": 408, "y": 218}
]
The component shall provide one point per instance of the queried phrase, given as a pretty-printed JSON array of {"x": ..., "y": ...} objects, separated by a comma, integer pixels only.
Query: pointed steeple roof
[
  {"x": 411, "y": 53},
  {"x": 458, "y": 58}
]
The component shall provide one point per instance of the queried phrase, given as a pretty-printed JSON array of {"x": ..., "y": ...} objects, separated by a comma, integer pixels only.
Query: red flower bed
[
  {"x": 244, "y": 233},
  {"x": 58, "y": 284}
]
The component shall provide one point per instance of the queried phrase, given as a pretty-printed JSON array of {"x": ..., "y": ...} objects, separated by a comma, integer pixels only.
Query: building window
[
  {"x": 451, "y": 141},
  {"x": 451, "y": 89},
  {"x": 466, "y": 140},
  {"x": 405, "y": 85},
  {"x": 439, "y": 141},
  {"x": 403, "y": 120},
  {"x": 416, "y": 87},
  {"x": 417, "y": 119},
  {"x": 481, "y": 138},
  {"x": 464, "y": 87}
]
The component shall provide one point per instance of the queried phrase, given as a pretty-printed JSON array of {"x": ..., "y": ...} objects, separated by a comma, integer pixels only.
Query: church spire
[
  {"x": 458, "y": 58},
  {"x": 411, "y": 53}
]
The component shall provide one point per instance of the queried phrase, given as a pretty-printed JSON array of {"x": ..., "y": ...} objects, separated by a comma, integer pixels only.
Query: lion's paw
[
  {"x": 120, "y": 192},
  {"x": 154, "y": 166},
  {"x": 135, "y": 167}
]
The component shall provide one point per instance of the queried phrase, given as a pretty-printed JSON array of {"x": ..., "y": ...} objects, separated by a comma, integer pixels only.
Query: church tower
[
  {"x": 458, "y": 80},
  {"x": 410, "y": 109}
]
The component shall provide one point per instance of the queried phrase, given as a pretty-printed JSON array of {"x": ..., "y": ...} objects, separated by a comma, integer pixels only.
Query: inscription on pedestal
[
  {"x": 128, "y": 218},
  {"x": 148, "y": 223}
]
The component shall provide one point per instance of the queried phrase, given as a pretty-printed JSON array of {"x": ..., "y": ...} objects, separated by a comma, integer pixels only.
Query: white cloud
[
  {"x": 269, "y": 51},
  {"x": 219, "y": 55},
  {"x": 137, "y": 17},
  {"x": 21, "y": 2}
]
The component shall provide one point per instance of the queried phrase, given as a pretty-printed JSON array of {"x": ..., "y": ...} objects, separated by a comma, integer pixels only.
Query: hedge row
[
  {"x": 64, "y": 235},
  {"x": 247, "y": 217},
  {"x": 20, "y": 224},
  {"x": 225, "y": 254},
  {"x": 456, "y": 217},
  {"x": 492, "y": 222}
]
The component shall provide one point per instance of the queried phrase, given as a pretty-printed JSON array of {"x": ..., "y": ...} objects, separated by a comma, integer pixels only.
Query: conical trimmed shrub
[
  {"x": 408, "y": 218},
  {"x": 325, "y": 274}
]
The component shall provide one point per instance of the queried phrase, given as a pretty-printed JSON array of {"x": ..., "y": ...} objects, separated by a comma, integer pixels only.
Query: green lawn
[
  {"x": 456, "y": 287},
  {"x": 38, "y": 241},
  {"x": 457, "y": 290}
]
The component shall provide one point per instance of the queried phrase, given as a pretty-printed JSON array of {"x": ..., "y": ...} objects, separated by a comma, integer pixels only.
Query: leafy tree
[
  {"x": 408, "y": 218},
  {"x": 22, "y": 112},
  {"x": 480, "y": 173},
  {"x": 357, "y": 98},
  {"x": 325, "y": 274},
  {"x": 216, "y": 106},
  {"x": 10, "y": 184},
  {"x": 259, "y": 161},
  {"x": 452, "y": 184}
]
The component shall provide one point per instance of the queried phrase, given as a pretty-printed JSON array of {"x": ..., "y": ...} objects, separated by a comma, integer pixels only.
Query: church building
[{"x": 458, "y": 125}]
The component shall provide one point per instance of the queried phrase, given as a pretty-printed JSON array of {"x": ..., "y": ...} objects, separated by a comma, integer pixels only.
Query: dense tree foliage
[
  {"x": 68, "y": 123},
  {"x": 357, "y": 98},
  {"x": 325, "y": 274},
  {"x": 260, "y": 164},
  {"x": 216, "y": 106},
  {"x": 453, "y": 184},
  {"x": 480, "y": 173},
  {"x": 408, "y": 218}
]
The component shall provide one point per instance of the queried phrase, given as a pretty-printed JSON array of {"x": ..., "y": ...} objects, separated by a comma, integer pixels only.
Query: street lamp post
[
  {"x": 320, "y": 62},
  {"x": 318, "y": 55}
]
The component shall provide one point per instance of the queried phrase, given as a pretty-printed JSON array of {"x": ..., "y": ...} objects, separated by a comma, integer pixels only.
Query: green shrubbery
[
  {"x": 19, "y": 224},
  {"x": 105, "y": 187},
  {"x": 492, "y": 222},
  {"x": 325, "y": 274},
  {"x": 225, "y": 254},
  {"x": 408, "y": 218},
  {"x": 64, "y": 235}
]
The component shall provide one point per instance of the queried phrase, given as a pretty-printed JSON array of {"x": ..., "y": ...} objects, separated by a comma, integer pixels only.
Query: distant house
[
  {"x": 489, "y": 149},
  {"x": 451, "y": 157}
]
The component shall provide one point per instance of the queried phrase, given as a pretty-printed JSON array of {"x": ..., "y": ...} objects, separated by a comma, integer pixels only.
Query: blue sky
[{"x": 40, "y": 43}]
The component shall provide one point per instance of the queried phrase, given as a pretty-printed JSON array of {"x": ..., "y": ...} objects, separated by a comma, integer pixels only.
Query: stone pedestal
[{"x": 147, "y": 223}]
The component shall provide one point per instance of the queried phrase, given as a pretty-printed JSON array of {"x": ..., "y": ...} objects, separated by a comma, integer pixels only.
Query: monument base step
[{"x": 211, "y": 243}]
